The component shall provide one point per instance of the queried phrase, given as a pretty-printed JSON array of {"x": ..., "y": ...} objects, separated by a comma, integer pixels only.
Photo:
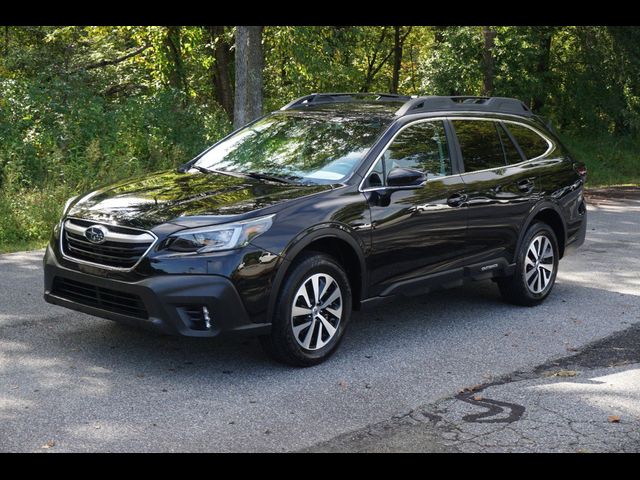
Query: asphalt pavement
[{"x": 563, "y": 376}]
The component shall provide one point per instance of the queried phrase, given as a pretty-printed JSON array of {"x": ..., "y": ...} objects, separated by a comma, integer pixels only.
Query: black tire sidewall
[{"x": 282, "y": 329}]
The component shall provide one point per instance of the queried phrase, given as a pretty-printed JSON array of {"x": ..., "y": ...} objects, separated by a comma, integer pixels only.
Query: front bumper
[{"x": 167, "y": 299}]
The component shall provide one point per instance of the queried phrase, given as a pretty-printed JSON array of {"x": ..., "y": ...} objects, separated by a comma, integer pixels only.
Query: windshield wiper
[
  {"x": 264, "y": 176},
  {"x": 223, "y": 172},
  {"x": 259, "y": 176}
]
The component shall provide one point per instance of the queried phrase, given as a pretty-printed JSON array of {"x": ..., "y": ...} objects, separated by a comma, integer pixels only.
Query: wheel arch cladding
[
  {"x": 336, "y": 244},
  {"x": 551, "y": 217}
]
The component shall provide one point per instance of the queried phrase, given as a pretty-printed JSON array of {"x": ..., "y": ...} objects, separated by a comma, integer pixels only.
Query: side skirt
[{"x": 440, "y": 281}]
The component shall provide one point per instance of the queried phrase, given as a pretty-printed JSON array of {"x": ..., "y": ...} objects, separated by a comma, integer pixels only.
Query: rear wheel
[
  {"x": 312, "y": 312},
  {"x": 536, "y": 267}
]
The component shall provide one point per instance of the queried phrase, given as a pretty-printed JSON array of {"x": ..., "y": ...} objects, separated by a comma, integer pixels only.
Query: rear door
[{"x": 500, "y": 187}]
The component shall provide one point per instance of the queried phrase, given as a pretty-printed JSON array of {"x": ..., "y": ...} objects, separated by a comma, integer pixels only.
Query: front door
[{"x": 417, "y": 230}]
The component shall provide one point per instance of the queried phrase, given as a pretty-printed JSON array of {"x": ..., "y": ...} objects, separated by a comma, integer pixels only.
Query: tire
[
  {"x": 532, "y": 282},
  {"x": 304, "y": 339}
]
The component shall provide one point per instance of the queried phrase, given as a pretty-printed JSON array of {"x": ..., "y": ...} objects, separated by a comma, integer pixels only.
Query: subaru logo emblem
[{"x": 96, "y": 233}]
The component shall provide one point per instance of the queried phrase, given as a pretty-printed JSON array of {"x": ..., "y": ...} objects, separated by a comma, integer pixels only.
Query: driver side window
[{"x": 421, "y": 146}]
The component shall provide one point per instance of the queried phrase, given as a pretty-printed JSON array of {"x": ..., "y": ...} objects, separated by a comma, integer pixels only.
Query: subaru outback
[{"x": 334, "y": 203}]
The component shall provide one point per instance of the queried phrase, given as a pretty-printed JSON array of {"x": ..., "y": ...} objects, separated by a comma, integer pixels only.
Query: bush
[{"x": 57, "y": 140}]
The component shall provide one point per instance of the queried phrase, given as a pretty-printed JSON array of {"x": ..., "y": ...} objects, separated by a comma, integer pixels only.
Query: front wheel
[
  {"x": 536, "y": 267},
  {"x": 312, "y": 312}
]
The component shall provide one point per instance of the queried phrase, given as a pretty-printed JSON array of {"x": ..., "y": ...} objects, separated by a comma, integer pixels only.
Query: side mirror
[{"x": 405, "y": 177}]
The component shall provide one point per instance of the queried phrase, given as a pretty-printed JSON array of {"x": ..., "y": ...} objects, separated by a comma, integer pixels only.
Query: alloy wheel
[
  {"x": 316, "y": 311},
  {"x": 539, "y": 264}
]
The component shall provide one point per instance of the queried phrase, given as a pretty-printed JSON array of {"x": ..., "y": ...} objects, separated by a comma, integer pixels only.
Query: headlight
[{"x": 218, "y": 237}]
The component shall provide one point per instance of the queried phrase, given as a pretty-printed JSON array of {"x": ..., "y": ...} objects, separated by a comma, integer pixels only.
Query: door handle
[
  {"x": 525, "y": 185},
  {"x": 456, "y": 199}
]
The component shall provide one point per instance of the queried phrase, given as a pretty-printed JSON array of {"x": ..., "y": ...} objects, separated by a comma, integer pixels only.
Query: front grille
[
  {"x": 99, "y": 297},
  {"x": 122, "y": 249}
]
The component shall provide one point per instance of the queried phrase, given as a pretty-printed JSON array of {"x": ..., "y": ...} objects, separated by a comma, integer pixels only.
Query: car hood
[{"x": 184, "y": 199}]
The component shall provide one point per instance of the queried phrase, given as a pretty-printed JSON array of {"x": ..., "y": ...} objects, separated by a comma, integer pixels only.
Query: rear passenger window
[
  {"x": 510, "y": 151},
  {"x": 531, "y": 144},
  {"x": 480, "y": 144}
]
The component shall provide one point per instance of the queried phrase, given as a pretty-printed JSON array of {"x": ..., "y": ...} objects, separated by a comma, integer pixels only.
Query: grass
[
  {"x": 27, "y": 215},
  {"x": 23, "y": 246},
  {"x": 610, "y": 161}
]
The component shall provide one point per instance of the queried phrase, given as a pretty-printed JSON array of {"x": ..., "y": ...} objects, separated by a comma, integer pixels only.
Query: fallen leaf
[
  {"x": 49, "y": 444},
  {"x": 572, "y": 349},
  {"x": 477, "y": 398},
  {"x": 613, "y": 419}
]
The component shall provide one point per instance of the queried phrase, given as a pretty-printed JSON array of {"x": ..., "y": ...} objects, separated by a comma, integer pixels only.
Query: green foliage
[
  {"x": 87, "y": 105},
  {"x": 610, "y": 160}
]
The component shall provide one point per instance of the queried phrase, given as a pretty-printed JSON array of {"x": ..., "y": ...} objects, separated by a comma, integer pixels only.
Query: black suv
[{"x": 335, "y": 202}]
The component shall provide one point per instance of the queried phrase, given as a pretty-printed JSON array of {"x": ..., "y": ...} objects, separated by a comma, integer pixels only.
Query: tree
[
  {"x": 221, "y": 68},
  {"x": 398, "y": 44},
  {"x": 488, "y": 35},
  {"x": 249, "y": 82},
  {"x": 374, "y": 62},
  {"x": 545, "y": 35},
  {"x": 173, "y": 49}
]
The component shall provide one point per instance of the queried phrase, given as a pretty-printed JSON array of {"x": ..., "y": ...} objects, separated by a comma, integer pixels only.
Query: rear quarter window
[{"x": 531, "y": 144}]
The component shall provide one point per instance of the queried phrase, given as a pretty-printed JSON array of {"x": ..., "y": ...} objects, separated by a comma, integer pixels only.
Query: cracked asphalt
[
  {"x": 557, "y": 407},
  {"x": 454, "y": 371}
]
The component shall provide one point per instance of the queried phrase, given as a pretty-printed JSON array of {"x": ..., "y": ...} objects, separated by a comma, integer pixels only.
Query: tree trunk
[
  {"x": 221, "y": 70},
  {"x": 397, "y": 59},
  {"x": 398, "y": 49},
  {"x": 249, "y": 65},
  {"x": 489, "y": 36},
  {"x": 542, "y": 68},
  {"x": 176, "y": 74}
]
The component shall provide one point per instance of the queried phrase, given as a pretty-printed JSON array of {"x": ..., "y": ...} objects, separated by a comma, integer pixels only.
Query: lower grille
[{"x": 99, "y": 297}]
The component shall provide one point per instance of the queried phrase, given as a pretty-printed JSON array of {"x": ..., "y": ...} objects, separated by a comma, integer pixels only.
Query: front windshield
[{"x": 305, "y": 148}]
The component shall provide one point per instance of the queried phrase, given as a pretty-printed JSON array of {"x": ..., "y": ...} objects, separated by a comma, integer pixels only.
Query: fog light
[{"x": 207, "y": 318}]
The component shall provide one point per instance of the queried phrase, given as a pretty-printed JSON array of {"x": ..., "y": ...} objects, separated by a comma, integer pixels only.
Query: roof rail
[
  {"x": 480, "y": 104},
  {"x": 322, "y": 98}
]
